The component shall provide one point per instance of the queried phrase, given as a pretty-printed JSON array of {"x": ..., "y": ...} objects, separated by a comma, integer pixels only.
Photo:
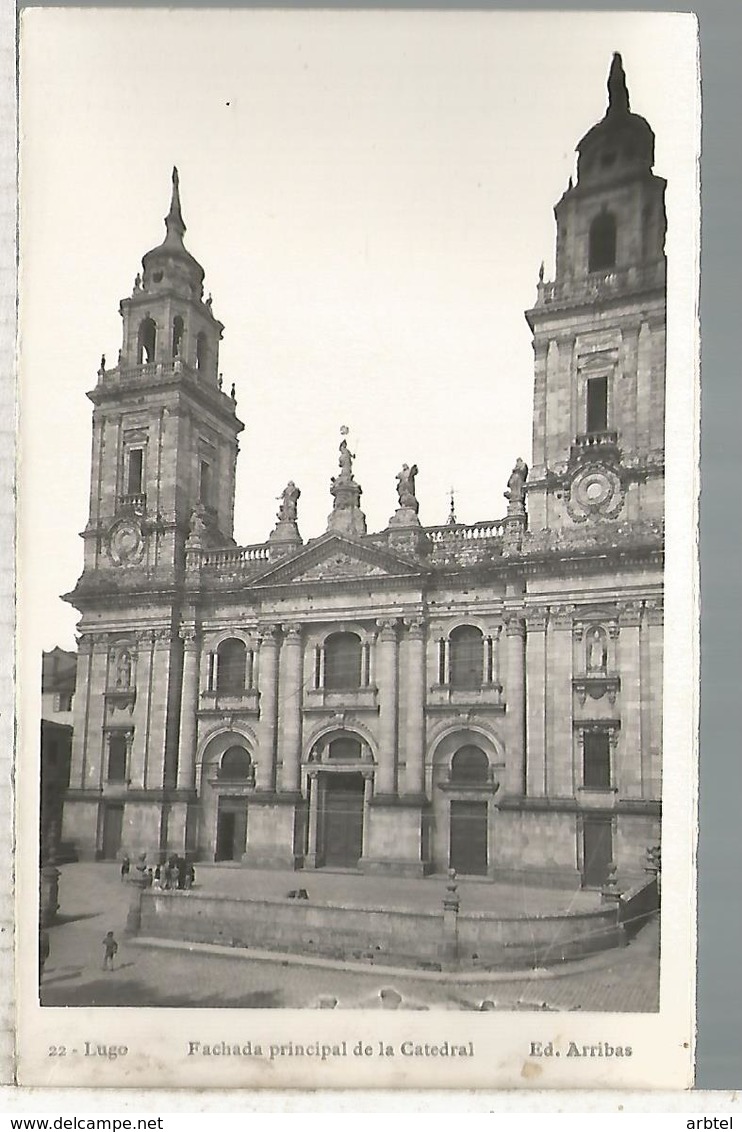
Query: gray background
[{"x": 719, "y": 1051}]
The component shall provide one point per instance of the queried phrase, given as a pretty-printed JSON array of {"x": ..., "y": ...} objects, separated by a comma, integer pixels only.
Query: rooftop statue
[
  {"x": 516, "y": 483},
  {"x": 345, "y": 462},
  {"x": 406, "y": 487},
  {"x": 287, "y": 508}
]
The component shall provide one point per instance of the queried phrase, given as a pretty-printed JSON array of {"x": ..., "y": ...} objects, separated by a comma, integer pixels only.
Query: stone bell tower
[
  {"x": 599, "y": 334},
  {"x": 164, "y": 432},
  {"x": 163, "y": 463}
]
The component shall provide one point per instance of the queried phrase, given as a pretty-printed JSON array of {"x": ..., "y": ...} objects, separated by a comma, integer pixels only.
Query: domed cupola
[
  {"x": 621, "y": 144},
  {"x": 170, "y": 267}
]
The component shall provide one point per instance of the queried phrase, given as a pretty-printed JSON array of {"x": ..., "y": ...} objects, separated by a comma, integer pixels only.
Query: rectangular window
[
  {"x": 135, "y": 471},
  {"x": 597, "y": 760},
  {"x": 204, "y": 488},
  {"x": 117, "y": 758},
  {"x": 597, "y": 404},
  {"x": 63, "y": 701}
]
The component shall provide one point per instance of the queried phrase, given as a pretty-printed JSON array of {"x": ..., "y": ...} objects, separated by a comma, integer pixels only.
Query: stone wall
[{"x": 385, "y": 935}]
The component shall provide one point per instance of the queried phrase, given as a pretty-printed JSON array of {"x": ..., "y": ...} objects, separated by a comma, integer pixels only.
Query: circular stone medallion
[
  {"x": 125, "y": 543},
  {"x": 595, "y": 492}
]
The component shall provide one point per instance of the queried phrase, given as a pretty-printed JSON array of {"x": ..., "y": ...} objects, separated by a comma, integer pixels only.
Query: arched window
[
  {"x": 177, "y": 335},
  {"x": 230, "y": 668},
  {"x": 236, "y": 765},
  {"x": 146, "y": 341},
  {"x": 466, "y": 657},
  {"x": 117, "y": 751},
  {"x": 202, "y": 352},
  {"x": 596, "y": 644},
  {"x": 342, "y": 662},
  {"x": 602, "y": 242},
  {"x": 470, "y": 765},
  {"x": 345, "y": 748}
]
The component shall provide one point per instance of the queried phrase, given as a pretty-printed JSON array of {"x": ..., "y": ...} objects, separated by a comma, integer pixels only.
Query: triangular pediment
[{"x": 333, "y": 558}]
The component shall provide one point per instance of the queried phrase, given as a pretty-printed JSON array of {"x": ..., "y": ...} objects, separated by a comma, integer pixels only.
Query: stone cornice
[
  {"x": 652, "y": 807},
  {"x": 166, "y": 794}
]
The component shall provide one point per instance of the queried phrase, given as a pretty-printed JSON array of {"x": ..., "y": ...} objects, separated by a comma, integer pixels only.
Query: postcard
[{"x": 358, "y": 605}]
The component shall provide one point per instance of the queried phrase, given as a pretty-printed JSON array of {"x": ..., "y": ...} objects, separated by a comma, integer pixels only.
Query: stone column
[
  {"x": 386, "y": 678},
  {"x": 310, "y": 860},
  {"x": 265, "y": 775},
  {"x": 188, "y": 708},
  {"x": 368, "y": 789},
  {"x": 289, "y": 697},
  {"x": 446, "y": 661},
  {"x": 536, "y": 691},
  {"x": 365, "y": 665},
  {"x": 415, "y": 731},
  {"x": 496, "y": 656},
  {"x": 515, "y": 699}
]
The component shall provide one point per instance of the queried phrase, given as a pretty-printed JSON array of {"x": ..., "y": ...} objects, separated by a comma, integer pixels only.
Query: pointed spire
[
  {"x": 618, "y": 94},
  {"x": 452, "y": 521},
  {"x": 174, "y": 219}
]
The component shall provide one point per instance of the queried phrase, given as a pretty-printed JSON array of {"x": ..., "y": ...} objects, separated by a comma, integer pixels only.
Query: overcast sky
[{"x": 370, "y": 195}]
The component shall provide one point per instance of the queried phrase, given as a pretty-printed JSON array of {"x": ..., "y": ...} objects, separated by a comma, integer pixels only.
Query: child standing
[{"x": 111, "y": 947}]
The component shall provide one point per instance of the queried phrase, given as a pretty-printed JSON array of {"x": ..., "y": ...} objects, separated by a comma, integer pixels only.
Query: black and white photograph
[{"x": 358, "y": 591}]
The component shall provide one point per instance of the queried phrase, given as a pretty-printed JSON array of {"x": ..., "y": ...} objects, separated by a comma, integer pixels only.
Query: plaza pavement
[{"x": 93, "y": 901}]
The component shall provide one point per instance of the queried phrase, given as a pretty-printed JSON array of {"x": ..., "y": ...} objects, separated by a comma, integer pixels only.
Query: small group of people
[
  {"x": 173, "y": 873},
  {"x": 176, "y": 872}
]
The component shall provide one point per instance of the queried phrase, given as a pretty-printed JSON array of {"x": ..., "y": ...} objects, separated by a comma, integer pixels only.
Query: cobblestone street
[{"x": 94, "y": 901}]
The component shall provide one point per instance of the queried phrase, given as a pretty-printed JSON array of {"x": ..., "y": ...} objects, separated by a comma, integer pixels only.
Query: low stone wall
[
  {"x": 637, "y": 904},
  {"x": 433, "y": 940}
]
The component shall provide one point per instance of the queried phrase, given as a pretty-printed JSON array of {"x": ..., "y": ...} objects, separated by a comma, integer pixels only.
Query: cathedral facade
[{"x": 486, "y": 698}]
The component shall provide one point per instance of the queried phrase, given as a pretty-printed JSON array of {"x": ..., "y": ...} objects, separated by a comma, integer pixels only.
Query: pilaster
[
  {"x": 536, "y": 690},
  {"x": 188, "y": 708},
  {"x": 387, "y": 681},
  {"x": 559, "y": 770},
  {"x": 415, "y": 687},
  {"x": 515, "y": 699},
  {"x": 267, "y": 727},
  {"x": 290, "y": 701},
  {"x": 629, "y": 764},
  {"x": 154, "y": 770}
]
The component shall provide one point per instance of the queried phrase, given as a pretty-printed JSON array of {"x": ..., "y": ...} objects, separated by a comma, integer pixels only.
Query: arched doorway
[
  {"x": 228, "y": 780},
  {"x": 464, "y": 762},
  {"x": 339, "y": 790}
]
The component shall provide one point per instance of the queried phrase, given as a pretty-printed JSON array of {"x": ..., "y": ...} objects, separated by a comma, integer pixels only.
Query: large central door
[
  {"x": 342, "y": 820},
  {"x": 597, "y": 850},
  {"x": 113, "y": 822},
  {"x": 231, "y": 829},
  {"x": 469, "y": 838}
]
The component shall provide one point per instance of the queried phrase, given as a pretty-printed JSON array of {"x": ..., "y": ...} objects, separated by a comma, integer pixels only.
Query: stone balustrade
[
  {"x": 461, "y": 532},
  {"x": 595, "y": 439},
  {"x": 234, "y": 556},
  {"x": 601, "y": 284}
]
